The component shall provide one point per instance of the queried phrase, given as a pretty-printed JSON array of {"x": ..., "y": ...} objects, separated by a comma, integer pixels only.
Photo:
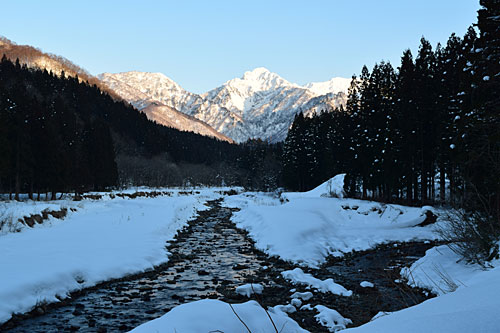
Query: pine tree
[
  {"x": 294, "y": 155},
  {"x": 482, "y": 133}
]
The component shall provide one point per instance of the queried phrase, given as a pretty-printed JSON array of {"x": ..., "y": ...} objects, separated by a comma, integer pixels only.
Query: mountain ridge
[{"x": 259, "y": 105}]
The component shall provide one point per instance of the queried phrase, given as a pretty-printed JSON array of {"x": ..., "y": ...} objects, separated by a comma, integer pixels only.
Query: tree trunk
[
  {"x": 442, "y": 184},
  {"x": 30, "y": 192},
  {"x": 17, "y": 186}
]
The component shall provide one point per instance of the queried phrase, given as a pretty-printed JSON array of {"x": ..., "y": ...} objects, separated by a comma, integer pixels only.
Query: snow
[
  {"x": 305, "y": 296},
  {"x": 331, "y": 319},
  {"x": 298, "y": 276},
  {"x": 468, "y": 298},
  {"x": 380, "y": 314},
  {"x": 296, "y": 302},
  {"x": 442, "y": 271},
  {"x": 366, "y": 284},
  {"x": 283, "y": 309},
  {"x": 333, "y": 188},
  {"x": 102, "y": 240},
  {"x": 217, "y": 316},
  {"x": 306, "y": 307},
  {"x": 12, "y": 211},
  {"x": 471, "y": 308},
  {"x": 249, "y": 289},
  {"x": 310, "y": 227},
  {"x": 334, "y": 85}
]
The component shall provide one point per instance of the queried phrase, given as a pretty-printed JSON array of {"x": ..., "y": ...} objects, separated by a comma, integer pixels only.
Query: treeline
[
  {"x": 398, "y": 134},
  {"x": 433, "y": 120},
  {"x": 426, "y": 132},
  {"x": 47, "y": 142},
  {"x": 59, "y": 134}
]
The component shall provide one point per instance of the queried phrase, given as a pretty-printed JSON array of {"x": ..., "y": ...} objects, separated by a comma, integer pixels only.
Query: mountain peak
[
  {"x": 258, "y": 79},
  {"x": 258, "y": 71},
  {"x": 261, "y": 74}
]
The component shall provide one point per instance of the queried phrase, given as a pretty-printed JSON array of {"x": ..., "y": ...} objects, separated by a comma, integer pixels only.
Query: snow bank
[
  {"x": 331, "y": 319},
  {"x": 468, "y": 302},
  {"x": 102, "y": 240},
  {"x": 469, "y": 309},
  {"x": 307, "y": 229},
  {"x": 442, "y": 271},
  {"x": 298, "y": 276},
  {"x": 216, "y": 316},
  {"x": 333, "y": 188},
  {"x": 250, "y": 289},
  {"x": 12, "y": 211}
]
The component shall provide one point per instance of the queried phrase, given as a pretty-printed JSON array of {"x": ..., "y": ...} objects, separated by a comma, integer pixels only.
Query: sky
[{"x": 202, "y": 44}]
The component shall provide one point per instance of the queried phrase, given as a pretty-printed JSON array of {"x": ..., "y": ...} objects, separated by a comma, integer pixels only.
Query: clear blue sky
[{"x": 201, "y": 44}]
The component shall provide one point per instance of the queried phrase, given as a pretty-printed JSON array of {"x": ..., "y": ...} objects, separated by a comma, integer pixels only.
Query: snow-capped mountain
[
  {"x": 336, "y": 84},
  {"x": 260, "y": 104},
  {"x": 152, "y": 93}
]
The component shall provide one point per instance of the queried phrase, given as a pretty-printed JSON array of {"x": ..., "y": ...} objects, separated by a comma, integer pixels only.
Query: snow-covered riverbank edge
[
  {"x": 101, "y": 240},
  {"x": 307, "y": 229},
  {"x": 468, "y": 298}
]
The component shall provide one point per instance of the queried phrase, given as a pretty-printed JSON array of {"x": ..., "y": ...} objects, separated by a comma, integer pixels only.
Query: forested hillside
[
  {"x": 59, "y": 134},
  {"x": 35, "y": 58}
]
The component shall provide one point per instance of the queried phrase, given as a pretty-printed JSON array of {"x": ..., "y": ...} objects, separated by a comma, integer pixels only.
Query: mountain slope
[
  {"x": 154, "y": 94},
  {"x": 260, "y": 104},
  {"x": 35, "y": 58},
  {"x": 170, "y": 117}
]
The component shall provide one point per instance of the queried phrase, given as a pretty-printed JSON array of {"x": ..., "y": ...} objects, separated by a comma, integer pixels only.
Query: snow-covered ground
[
  {"x": 309, "y": 226},
  {"x": 12, "y": 211},
  {"x": 469, "y": 298},
  {"x": 216, "y": 316},
  {"x": 110, "y": 238},
  {"x": 99, "y": 241}
]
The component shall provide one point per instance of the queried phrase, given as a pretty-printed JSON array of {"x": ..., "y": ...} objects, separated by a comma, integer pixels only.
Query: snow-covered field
[
  {"x": 310, "y": 226},
  {"x": 111, "y": 238},
  {"x": 99, "y": 241}
]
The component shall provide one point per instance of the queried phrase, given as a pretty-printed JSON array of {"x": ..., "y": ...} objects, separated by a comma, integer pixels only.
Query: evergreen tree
[{"x": 481, "y": 133}]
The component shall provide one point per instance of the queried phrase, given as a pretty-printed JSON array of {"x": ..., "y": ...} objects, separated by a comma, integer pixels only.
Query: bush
[{"x": 473, "y": 236}]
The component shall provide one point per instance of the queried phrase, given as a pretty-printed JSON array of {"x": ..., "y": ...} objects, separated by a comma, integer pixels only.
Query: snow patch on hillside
[{"x": 334, "y": 85}]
